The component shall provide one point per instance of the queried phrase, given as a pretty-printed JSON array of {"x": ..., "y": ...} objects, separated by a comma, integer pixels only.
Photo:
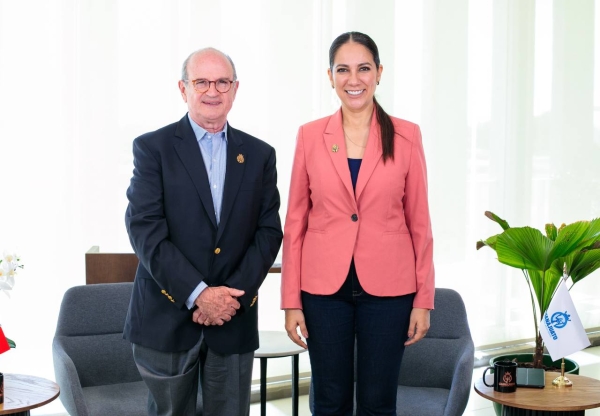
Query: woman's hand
[
  {"x": 419, "y": 325},
  {"x": 294, "y": 318}
]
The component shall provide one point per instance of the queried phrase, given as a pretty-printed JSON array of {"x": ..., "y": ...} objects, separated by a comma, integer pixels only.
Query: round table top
[
  {"x": 22, "y": 393},
  {"x": 276, "y": 344},
  {"x": 584, "y": 394}
]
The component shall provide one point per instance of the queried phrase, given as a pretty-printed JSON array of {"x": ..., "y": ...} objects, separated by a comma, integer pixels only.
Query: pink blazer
[{"x": 391, "y": 240}]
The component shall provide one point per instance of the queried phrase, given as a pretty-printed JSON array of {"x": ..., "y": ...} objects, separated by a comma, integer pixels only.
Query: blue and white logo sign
[
  {"x": 561, "y": 328},
  {"x": 560, "y": 319}
]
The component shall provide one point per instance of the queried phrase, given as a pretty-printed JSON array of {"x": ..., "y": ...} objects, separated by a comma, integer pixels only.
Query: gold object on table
[{"x": 562, "y": 381}]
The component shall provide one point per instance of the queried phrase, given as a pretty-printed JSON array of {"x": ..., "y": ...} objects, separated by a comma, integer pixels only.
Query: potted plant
[{"x": 542, "y": 258}]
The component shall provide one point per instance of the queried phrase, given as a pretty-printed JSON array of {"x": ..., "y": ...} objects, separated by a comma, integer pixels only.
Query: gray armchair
[
  {"x": 93, "y": 364},
  {"x": 435, "y": 377}
]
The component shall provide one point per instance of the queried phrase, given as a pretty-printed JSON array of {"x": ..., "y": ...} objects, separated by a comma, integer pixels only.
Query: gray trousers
[{"x": 173, "y": 380}]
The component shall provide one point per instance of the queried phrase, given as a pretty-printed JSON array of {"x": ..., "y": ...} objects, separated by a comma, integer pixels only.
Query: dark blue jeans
[{"x": 379, "y": 326}]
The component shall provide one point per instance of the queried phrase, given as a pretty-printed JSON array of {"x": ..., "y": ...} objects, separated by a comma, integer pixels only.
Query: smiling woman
[{"x": 368, "y": 276}]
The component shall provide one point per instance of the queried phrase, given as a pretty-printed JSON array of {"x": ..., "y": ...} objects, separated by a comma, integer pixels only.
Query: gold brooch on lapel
[
  {"x": 240, "y": 158},
  {"x": 335, "y": 148}
]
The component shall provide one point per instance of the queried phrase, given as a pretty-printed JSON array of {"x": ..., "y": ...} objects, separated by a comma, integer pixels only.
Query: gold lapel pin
[
  {"x": 240, "y": 158},
  {"x": 335, "y": 148}
]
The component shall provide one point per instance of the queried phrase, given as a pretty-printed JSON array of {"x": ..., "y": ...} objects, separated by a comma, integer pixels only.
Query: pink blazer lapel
[
  {"x": 371, "y": 157},
  {"x": 335, "y": 145}
]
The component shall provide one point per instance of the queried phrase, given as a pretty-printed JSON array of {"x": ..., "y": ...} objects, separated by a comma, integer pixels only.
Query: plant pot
[{"x": 571, "y": 367}]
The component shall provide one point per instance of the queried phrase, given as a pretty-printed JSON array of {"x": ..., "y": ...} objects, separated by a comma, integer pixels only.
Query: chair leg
[
  {"x": 263, "y": 386},
  {"x": 295, "y": 361}
]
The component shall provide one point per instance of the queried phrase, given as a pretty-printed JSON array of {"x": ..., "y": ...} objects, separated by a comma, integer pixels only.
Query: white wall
[{"x": 506, "y": 93}]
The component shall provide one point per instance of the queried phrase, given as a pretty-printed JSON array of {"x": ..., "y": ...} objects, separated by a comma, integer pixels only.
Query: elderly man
[{"x": 203, "y": 220}]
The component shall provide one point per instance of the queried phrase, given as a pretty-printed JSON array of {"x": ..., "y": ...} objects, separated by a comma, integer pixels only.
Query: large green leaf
[
  {"x": 559, "y": 264},
  {"x": 551, "y": 281},
  {"x": 579, "y": 263},
  {"x": 584, "y": 264},
  {"x": 524, "y": 248},
  {"x": 569, "y": 239},
  {"x": 536, "y": 281},
  {"x": 594, "y": 230},
  {"x": 544, "y": 284}
]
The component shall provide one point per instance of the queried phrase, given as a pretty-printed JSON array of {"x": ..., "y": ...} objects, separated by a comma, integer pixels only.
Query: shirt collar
[{"x": 200, "y": 132}]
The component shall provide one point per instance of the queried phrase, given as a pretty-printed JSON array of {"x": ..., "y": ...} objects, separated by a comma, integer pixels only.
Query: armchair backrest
[
  {"x": 432, "y": 361},
  {"x": 90, "y": 329}
]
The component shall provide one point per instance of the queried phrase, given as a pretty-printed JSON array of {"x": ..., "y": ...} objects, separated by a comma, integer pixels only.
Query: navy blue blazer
[{"x": 173, "y": 230}]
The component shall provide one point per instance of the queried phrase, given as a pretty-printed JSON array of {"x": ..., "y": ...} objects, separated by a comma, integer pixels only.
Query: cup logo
[{"x": 507, "y": 380}]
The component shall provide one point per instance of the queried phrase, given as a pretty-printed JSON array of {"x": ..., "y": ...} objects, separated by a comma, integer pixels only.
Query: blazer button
[
  {"x": 217, "y": 250},
  {"x": 354, "y": 217}
]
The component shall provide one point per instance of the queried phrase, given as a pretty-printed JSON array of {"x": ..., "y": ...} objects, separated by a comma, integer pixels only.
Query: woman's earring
[
  {"x": 332, "y": 86},
  {"x": 377, "y": 82}
]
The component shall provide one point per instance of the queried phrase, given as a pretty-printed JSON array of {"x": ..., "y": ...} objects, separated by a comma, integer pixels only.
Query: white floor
[{"x": 588, "y": 360}]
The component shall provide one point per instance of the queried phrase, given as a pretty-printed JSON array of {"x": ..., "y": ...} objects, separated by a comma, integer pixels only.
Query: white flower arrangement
[{"x": 9, "y": 264}]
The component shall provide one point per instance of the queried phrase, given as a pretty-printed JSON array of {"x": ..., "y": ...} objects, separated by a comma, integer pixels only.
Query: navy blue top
[{"x": 354, "y": 165}]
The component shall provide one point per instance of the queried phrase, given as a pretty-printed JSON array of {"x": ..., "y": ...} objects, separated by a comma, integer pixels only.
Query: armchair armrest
[
  {"x": 71, "y": 393},
  {"x": 461, "y": 379}
]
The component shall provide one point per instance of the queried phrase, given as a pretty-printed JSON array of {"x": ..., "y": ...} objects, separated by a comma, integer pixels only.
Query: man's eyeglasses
[{"x": 202, "y": 85}]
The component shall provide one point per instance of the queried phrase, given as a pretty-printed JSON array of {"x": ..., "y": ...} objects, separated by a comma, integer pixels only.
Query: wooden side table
[
  {"x": 23, "y": 393},
  {"x": 549, "y": 401},
  {"x": 275, "y": 344}
]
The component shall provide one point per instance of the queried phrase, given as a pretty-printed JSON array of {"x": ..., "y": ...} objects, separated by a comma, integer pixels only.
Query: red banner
[{"x": 3, "y": 342}]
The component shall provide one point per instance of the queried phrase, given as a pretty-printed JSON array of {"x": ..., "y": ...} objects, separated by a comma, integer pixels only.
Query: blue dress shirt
[{"x": 213, "y": 147}]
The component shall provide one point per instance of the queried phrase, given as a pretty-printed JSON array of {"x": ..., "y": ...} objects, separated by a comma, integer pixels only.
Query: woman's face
[{"x": 354, "y": 76}]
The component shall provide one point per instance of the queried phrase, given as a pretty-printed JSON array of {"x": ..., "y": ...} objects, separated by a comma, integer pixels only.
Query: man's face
[{"x": 210, "y": 108}]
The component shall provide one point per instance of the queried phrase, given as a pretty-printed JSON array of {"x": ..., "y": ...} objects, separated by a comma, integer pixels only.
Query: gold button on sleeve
[{"x": 217, "y": 250}]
